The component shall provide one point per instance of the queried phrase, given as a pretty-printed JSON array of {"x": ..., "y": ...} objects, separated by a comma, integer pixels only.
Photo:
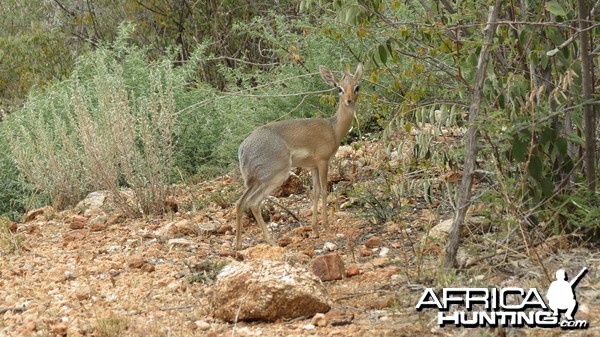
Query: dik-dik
[{"x": 270, "y": 151}]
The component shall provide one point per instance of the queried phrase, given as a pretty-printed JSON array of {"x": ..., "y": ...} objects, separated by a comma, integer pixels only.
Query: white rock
[
  {"x": 319, "y": 320},
  {"x": 384, "y": 251},
  {"x": 329, "y": 247},
  {"x": 266, "y": 290},
  {"x": 202, "y": 325}
]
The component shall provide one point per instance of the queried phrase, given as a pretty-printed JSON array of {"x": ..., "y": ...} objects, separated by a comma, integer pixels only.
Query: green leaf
[
  {"x": 552, "y": 52},
  {"x": 562, "y": 146},
  {"x": 555, "y": 8},
  {"x": 548, "y": 135},
  {"x": 547, "y": 187},
  {"x": 535, "y": 168},
  {"x": 383, "y": 54},
  {"x": 519, "y": 150}
]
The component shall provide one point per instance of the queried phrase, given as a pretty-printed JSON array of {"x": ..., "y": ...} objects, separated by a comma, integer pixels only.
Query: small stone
[
  {"x": 373, "y": 242},
  {"x": 336, "y": 317},
  {"x": 209, "y": 227},
  {"x": 135, "y": 262},
  {"x": 79, "y": 218},
  {"x": 83, "y": 292},
  {"x": 309, "y": 327},
  {"x": 384, "y": 251},
  {"x": 380, "y": 261},
  {"x": 329, "y": 267},
  {"x": 364, "y": 252},
  {"x": 202, "y": 325},
  {"x": 352, "y": 271},
  {"x": 305, "y": 213},
  {"x": 77, "y": 225},
  {"x": 329, "y": 247},
  {"x": 319, "y": 320},
  {"x": 31, "y": 215},
  {"x": 76, "y": 235},
  {"x": 57, "y": 274},
  {"x": 148, "y": 267},
  {"x": 224, "y": 229},
  {"x": 191, "y": 326},
  {"x": 92, "y": 200},
  {"x": 175, "y": 286},
  {"x": 97, "y": 227}
]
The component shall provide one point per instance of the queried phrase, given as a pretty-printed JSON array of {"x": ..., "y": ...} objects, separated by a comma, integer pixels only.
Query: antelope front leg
[
  {"x": 323, "y": 168},
  {"x": 316, "y": 190}
]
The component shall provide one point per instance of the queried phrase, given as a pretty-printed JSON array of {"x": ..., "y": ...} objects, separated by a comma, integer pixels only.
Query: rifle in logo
[{"x": 561, "y": 293}]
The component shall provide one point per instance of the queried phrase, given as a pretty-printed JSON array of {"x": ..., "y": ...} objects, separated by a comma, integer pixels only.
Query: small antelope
[{"x": 270, "y": 151}]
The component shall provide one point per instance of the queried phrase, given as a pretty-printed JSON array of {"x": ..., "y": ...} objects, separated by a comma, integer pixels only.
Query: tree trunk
[
  {"x": 588, "y": 108},
  {"x": 464, "y": 198}
]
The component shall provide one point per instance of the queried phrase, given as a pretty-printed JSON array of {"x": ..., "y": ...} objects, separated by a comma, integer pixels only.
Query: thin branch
[
  {"x": 449, "y": 259},
  {"x": 272, "y": 199},
  {"x": 15, "y": 309},
  {"x": 65, "y": 9}
]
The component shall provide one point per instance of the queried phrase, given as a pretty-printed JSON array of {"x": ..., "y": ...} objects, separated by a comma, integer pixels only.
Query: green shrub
[{"x": 109, "y": 125}]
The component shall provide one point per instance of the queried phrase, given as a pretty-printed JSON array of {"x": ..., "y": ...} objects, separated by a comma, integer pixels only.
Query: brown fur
[{"x": 270, "y": 151}]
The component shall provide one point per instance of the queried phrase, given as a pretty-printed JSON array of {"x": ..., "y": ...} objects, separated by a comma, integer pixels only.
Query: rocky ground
[{"x": 90, "y": 271}]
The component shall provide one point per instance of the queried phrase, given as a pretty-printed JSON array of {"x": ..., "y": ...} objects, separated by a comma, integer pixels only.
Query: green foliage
[
  {"x": 423, "y": 56},
  {"x": 12, "y": 191},
  {"x": 109, "y": 125},
  {"x": 210, "y": 129}
]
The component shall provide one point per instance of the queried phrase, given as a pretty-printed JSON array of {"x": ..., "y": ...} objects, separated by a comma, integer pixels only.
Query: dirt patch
[{"x": 133, "y": 278}]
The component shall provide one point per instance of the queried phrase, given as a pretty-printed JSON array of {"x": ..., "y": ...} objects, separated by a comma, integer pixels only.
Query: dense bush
[{"x": 110, "y": 124}]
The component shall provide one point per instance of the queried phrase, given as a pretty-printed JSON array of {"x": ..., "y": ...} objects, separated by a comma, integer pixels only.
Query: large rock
[
  {"x": 94, "y": 200},
  {"x": 266, "y": 290}
]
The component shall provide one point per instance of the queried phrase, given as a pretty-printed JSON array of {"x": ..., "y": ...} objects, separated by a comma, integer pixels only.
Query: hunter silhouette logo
[
  {"x": 561, "y": 294},
  {"x": 512, "y": 306}
]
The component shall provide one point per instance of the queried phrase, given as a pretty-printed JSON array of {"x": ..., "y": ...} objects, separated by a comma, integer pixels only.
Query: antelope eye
[
  {"x": 340, "y": 90},
  {"x": 356, "y": 89}
]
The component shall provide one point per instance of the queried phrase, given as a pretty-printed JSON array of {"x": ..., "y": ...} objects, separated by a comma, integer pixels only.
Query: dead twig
[
  {"x": 15, "y": 309},
  {"x": 284, "y": 208}
]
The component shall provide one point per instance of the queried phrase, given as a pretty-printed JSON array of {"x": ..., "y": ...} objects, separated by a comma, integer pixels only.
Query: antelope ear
[
  {"x": 328, "y": 76},
  {"x": 359, "y": 72}
]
